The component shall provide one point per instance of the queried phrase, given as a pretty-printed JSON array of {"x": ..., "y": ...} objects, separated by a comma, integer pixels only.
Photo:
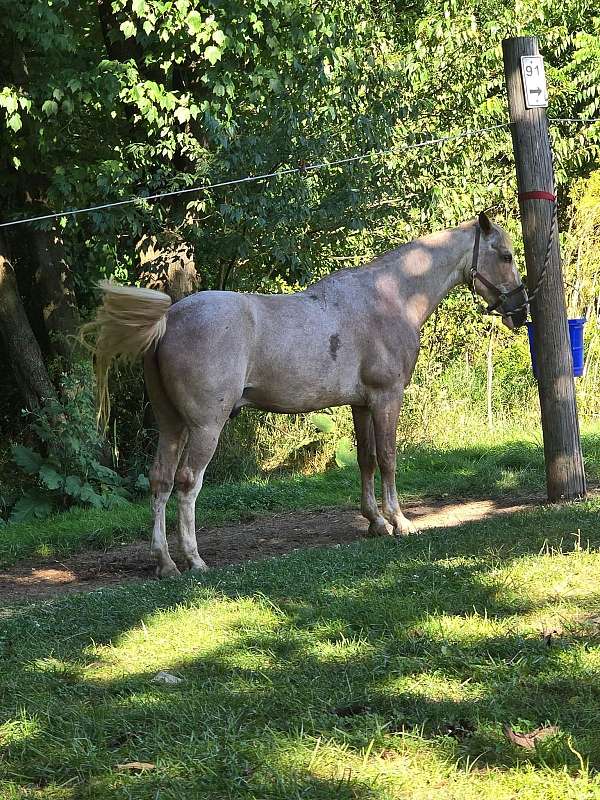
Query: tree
[{"x": 122, "y": 98}]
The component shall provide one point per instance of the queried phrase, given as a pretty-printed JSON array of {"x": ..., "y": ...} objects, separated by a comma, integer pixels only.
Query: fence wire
[
  {"x": 255, "y": 178},
  {"x": 372, "y": 154}
]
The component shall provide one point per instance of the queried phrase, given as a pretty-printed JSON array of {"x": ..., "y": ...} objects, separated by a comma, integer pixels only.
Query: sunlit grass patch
[{"x": 384, "y": 669}]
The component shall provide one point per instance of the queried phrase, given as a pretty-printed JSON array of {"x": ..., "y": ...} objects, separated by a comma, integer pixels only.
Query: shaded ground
[{"x": 43, "y": 578}]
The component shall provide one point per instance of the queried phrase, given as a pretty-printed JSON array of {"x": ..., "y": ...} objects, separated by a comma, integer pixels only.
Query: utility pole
[{"x": 526, "y": 88}]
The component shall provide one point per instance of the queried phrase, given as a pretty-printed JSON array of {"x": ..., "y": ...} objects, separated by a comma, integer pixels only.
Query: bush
[{"x": 66, "y": 469}]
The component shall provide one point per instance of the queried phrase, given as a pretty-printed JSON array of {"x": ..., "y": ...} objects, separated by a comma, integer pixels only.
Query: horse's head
[{"x": 494, "y": 275}]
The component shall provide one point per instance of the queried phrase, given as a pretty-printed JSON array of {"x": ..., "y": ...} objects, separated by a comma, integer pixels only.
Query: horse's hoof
[
  {"x": 405, "y": 528},
  {"x": 168, "y": 571},
  {"x": 199, "y": 566},
  {"x": 378, "y": 527}
]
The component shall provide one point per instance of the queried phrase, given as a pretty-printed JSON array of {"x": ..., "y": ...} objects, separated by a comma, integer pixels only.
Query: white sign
[{"x": 534, "y": 82}]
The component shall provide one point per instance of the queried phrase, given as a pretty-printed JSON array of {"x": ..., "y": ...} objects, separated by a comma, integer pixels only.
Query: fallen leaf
[
  {"x": 529, "y": 740},
  {"x": 136, "y": 766},
  {"x": 166, "y": 678}
]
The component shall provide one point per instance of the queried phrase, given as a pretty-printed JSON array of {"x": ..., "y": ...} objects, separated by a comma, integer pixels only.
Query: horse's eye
[{"x": 507, "y": 257}]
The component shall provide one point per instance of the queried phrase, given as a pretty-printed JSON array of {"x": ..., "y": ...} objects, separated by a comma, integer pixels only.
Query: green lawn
[
  {"x": 408, "y": 640},
  {"x": 508, "y": 467}
]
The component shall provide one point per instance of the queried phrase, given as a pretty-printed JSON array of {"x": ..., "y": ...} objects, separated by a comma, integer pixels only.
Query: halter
[{"x": 502, "y": 297}]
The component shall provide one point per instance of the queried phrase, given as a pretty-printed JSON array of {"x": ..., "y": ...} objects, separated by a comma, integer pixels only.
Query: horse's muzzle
[{"x": 514, "y": 309}]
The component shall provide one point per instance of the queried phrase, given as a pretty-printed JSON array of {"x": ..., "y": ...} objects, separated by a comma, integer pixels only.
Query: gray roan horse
[{"x": 352, "y": 338}]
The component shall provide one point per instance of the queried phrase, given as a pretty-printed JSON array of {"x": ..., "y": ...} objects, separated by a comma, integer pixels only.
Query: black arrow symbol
[{"x": 535, "y": 91}]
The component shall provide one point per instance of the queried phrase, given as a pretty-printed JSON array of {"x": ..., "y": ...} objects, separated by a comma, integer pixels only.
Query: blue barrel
[{"x": 576, "y": 338}]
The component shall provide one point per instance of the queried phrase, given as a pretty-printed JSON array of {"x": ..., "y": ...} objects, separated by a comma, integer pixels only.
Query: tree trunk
[
  {"x": 168, "y": 266},
  {"x": 25, "y": 356},
  {"x": 56, "y": 293},
  {"x": 53, "y": 277}
]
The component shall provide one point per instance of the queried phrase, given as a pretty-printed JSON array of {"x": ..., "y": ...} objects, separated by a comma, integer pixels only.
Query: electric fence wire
[
  {"x": 255, "y": 178},
  {"x": 373, "y": 154}
]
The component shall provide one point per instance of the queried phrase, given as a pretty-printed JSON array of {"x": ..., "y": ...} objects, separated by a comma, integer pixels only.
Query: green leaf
[
  {"x": 213, "y": 54},
  {"x": 10, "y": 102},
  {"x": 345, "y": 453},
  {"x": 194, "y": 22},
  {"x": 114, "y": 500},
  {"x": 218, "y": 37},
  {"x": 139, "y": 7},
  {"x": 27, "y": 459},
  {"x": 105, "y": 474},
  {"x": 323, "y": 422},
  {"x": 74, "y": 443},
  {"x": 142, "y": 482},
  {"x": 128, "y": 29},
  {"x": 50, "y": 107},
  {"x": 31, "y": 506},
  {"x": 88, "y": 495},
  {"x": 14, "y": 122},
  {"x": 73, "y": 486},
  {"x": 50, "y": 477},
  {"x": 182, "y": 114}
]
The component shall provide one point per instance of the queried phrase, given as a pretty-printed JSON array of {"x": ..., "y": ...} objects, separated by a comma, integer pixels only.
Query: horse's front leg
[
  {"x": 386, "y": 411},
  {"x": 367, "y": 461}
]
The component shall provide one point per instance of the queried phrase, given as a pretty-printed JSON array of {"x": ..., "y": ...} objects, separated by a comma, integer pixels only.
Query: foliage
[
  {"x": 582, "y": 271},
  {"x": 67, "y": 467},
  {"x": 126, "y": 98},
  {"x": 216, "y": 91}
]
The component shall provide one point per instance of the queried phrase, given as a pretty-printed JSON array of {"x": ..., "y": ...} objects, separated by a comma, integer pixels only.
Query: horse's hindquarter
[
  {"x": 223, "y": 350},
  {"x": 204, "y": 355}
]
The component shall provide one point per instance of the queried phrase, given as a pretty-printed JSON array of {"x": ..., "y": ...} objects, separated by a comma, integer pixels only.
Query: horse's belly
[{"x": 282, "y": 402}]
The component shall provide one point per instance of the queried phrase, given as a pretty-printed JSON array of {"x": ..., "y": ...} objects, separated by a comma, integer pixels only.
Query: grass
[
  {"x": 511, "y": 466},
  {"x": 327, "y": 674}
]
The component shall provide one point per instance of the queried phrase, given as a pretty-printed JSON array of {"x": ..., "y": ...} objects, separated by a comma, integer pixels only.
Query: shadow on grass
[{"x": 418, "y": 636}]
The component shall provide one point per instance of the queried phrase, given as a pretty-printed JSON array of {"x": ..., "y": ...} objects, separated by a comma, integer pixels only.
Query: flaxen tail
[{"x": 129, "y": 322}]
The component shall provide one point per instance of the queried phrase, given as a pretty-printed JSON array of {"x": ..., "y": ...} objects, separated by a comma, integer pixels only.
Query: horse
[{"x": 352, "y": 338}]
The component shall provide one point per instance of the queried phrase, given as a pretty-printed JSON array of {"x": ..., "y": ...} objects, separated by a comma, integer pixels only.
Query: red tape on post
[{"x": 537, "y": 196}]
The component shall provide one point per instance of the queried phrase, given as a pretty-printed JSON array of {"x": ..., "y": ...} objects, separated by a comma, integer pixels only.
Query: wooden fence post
[{"x": 565, "y": 477}]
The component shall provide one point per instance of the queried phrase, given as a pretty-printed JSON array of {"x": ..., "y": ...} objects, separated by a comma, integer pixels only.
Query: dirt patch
[{"x": 41, "y": 579}]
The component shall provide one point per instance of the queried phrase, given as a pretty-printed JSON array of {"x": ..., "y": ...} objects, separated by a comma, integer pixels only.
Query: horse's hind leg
[
  {"x": 171, "y": 440},
  {"x": 200, "y": 448},
  {"x": 170, "y": 445},
  {"x": 367, "y": 461}
]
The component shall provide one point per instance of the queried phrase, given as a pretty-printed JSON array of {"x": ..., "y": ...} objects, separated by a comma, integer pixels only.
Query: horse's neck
[{"x": 429, "y": 268}]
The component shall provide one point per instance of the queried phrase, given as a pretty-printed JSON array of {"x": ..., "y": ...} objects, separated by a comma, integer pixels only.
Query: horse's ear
[{"x": 484, "y": 223}]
